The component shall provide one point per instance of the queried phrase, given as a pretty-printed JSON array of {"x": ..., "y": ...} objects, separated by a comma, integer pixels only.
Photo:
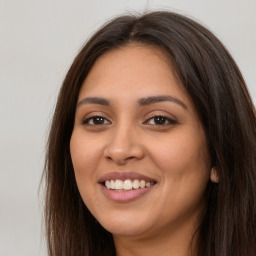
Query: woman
[{"x": 152, "y": 146}]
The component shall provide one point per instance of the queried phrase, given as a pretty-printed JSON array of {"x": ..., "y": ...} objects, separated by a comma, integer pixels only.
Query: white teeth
[
  {"x": 127, "y": 184},
  {"x": 118, "y": 184},
  {"x": 107, "y": 184},
  {"x": 142, "y": 183},
  {"x": 136, "y": 184},
  {"x": 147, "y": 184},
  {"x": 112, "y": 184}
]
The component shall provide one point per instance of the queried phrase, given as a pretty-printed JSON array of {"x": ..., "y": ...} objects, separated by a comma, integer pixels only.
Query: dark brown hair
[{"x": 212, "y": 79}]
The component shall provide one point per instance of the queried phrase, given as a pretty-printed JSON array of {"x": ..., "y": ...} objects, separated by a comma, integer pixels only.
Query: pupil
[
  {"x": 159, "y": 120},
  {"x": 98, "y": 120}
]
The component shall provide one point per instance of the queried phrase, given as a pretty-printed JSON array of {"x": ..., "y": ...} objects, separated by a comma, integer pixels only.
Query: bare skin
[{"x": 134, "y": 117}]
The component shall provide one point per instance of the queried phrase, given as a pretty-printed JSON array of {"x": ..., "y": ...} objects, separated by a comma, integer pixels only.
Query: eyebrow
[
  {"x": 142, "y": 102},
  {"x": 155, "y": 99},
  {"x": 94, "y": 100}
]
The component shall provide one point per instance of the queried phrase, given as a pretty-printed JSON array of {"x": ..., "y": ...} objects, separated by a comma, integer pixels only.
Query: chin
[
  {"x": 125, "y": 231},
  {"x": 125, "y": 226}
]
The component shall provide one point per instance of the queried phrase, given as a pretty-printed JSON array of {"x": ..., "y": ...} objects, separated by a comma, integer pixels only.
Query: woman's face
[{"x": 138, "y": 149}]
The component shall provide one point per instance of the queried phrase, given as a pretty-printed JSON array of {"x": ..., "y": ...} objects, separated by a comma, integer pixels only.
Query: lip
[{"x": 125, "y": 195}]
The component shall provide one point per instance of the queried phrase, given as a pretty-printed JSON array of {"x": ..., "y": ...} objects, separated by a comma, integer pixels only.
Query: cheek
[
  {"x": 183, "y": 160},
  {"x": 85, "y": 158},
  {"x": 176, "y": 153},
  {"x": 185, "y": 170},
  {"x": 85, "y": 153}
]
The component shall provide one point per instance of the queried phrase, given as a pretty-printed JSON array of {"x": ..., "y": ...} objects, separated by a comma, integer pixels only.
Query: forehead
[{"x": 133, "y": 70}]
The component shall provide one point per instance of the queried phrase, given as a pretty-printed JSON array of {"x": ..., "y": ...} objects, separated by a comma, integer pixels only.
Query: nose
[{"x": 124, "y": 145}]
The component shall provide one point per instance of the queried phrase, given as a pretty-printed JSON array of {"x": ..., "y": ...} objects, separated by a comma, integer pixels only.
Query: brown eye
[
  {"x": 95, "y": 120},
  {"x": 160, "y": 120}
]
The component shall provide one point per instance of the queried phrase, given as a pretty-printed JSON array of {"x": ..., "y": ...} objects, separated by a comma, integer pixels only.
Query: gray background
[{"x": 38, "y": 40}]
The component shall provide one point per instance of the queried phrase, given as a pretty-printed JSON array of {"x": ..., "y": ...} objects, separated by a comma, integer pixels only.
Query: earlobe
[{"x": 214, "y": 177}]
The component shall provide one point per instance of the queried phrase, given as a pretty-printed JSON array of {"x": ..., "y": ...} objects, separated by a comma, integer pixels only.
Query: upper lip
[{"x": 124, "y": 176}]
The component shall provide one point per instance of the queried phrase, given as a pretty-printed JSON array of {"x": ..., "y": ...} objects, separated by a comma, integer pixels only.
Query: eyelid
[
  {"x": 90, "y": 116},
  {"x": 171, "y": 121}
]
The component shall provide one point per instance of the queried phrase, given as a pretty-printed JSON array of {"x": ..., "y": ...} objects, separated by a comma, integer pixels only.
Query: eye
[
  {"x": 160, "y": 120},
  {"x": 95, "y": 120}
]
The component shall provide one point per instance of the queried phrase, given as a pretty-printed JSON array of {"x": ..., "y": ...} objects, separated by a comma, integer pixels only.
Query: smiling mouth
[
  {"x": 127, "y": 184},
  {"x": 124, "y": 187}
]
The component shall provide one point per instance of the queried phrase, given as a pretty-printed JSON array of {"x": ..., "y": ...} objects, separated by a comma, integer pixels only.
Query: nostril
[
  {"x": 130, "y": 157},
  {"x": 121, "y": 151}
]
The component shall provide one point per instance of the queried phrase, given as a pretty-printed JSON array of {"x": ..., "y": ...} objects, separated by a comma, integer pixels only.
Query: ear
[{"x": 214, "y": 177}]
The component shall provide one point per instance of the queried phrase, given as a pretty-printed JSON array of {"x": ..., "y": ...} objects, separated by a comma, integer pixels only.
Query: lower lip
[{"x": 125, "y": 195}]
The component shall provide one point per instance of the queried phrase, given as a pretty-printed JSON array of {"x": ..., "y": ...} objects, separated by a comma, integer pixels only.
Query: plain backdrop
[{"x": 38, "y": 41}]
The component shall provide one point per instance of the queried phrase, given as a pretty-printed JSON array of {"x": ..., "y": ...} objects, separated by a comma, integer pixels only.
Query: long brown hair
[{"x": 212, "y": 79}]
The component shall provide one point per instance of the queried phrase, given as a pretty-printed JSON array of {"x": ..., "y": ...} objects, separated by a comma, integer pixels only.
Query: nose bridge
[{"x": 124, "y": 143}]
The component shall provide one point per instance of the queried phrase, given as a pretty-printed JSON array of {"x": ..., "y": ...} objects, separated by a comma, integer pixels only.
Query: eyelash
[
  {"x": 166, "y": 120},
  {"x": 93, "y": 118}
]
